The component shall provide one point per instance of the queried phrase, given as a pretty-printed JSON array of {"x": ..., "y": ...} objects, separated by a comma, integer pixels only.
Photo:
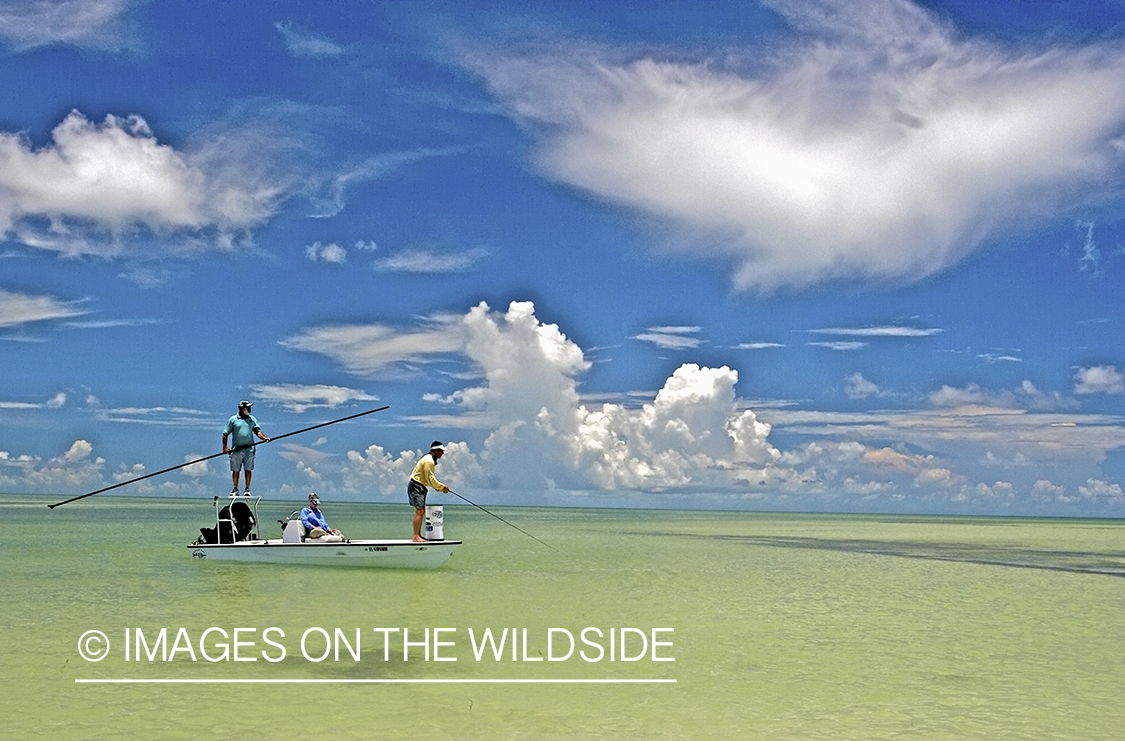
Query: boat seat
[
  {"x": 325, "y": 539},
  {"x": 294, "y": 532}
]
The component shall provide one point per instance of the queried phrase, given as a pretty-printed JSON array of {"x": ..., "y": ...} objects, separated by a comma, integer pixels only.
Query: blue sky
[{"x": 856, "y": 256}]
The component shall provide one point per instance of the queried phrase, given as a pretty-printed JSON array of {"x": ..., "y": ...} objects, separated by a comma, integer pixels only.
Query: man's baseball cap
[
  {"x": 314, "y": 498},
  {"x": 245, "y": 403},
  {"x": 437, "y": 446}
]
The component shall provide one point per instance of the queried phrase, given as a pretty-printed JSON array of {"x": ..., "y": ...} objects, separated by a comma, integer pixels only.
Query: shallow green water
[{"x": 785, "y": 626}]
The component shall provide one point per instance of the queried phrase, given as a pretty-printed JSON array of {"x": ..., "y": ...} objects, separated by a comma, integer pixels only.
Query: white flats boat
[{"x": 235, "y": 538}]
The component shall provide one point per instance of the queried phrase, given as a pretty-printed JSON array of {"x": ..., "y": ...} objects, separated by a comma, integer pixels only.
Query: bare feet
[{"x": 420, "y": 540}]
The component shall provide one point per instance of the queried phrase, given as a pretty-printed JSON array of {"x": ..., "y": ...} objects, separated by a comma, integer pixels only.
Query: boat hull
[{"x": 388, "y": 554}]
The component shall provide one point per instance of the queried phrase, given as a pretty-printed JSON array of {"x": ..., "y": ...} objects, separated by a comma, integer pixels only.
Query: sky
[{"x": 818, "y": 255}]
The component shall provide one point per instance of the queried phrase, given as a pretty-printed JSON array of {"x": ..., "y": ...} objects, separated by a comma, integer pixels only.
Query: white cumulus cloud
[
  {"x": 1027, "y": 396},
  {"x": 521, "y": 397},
  {"x": 1095, "y": 488},
  {"x": 331, "y": 252},
  {"x": 94, "y": 183},
  {"x": 78, "y": 451},
  {"x": 693, "y": 433},
  {"x": 1099, "y": 379},
  {"x": 198, "y": 469}
]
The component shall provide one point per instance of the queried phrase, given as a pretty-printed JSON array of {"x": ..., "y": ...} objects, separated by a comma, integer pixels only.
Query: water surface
[{"x": 785, "y": 626}]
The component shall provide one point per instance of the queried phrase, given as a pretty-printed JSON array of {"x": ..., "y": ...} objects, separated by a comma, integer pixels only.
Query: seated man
[{"x": 316, "y": 527}]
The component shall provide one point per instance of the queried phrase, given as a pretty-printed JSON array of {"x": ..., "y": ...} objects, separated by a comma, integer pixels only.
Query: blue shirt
[
  {"x": 311, "y": 518},
  {"x": 241, "y": 430}
]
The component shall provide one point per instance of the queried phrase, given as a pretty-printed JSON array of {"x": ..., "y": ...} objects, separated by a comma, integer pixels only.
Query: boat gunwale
[{"x": 276, "y": 543}]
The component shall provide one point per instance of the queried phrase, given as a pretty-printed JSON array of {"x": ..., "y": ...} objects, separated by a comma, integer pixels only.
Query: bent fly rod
[
  {"x": 498, "y": 517},
  {"x": 216, "y": 455}
]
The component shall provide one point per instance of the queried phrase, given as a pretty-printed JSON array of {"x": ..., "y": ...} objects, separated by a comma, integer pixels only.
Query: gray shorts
[
  {"x": 416, "y": 493},
  {"x": 242, "y": 459}
]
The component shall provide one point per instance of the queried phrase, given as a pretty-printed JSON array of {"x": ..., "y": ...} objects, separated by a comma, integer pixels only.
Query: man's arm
[
  {"x": 433, "y": 479},
  {"x": 257, "y": 430}
]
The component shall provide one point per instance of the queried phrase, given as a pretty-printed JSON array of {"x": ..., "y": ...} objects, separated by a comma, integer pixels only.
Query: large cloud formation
[
  {"x": 692, "y": 434},
  {"x": 520, "y": 394},
  {"x": 877, "y": 144},
  {"x": 106, "y": 179}
]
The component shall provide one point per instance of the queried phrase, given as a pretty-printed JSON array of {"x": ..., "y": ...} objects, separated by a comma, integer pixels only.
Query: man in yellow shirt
[{"x": 420, "y": 479}]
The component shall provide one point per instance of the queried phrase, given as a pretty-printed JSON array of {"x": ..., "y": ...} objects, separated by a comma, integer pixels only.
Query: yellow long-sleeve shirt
[{"x": 424, "y": 473}]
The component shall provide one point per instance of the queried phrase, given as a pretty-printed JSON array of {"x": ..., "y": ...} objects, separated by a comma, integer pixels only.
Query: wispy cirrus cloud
[
  {"x": 992, "y": 357},
  {"x": 303, "y": 43},
  {"x": 89, "y": 24},
  {"x": 431, "y": 261},
  {"x": 159, "y": 415},
  {"x": 841, "y": 346},
  {"x": 146, "y": 276},
  {"x": 371, "y": 350},
  {"x": 58, "y": 401},
  {"x": 875, "y": 143},
  {"x": 113, "y": 323},
  {"x": 1042, "y": 436},
  {"x": 327, "y": 189},
  {"x": 672, "y": 337},
  {"x": 882, "y": 331},
  {"x": 302, "y": 397},
  {"x": 17, "y": 308},
  {"x": 757, "y": 345}
]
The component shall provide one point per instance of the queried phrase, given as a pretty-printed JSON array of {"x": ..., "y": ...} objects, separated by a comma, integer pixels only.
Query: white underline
[{"x": 375, "y": 681}]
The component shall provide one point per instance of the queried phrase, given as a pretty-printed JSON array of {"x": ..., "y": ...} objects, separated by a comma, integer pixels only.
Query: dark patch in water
[{"x": 1074, "y": 562}]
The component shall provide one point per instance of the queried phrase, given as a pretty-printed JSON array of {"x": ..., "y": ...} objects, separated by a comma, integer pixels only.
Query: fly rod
[
  {"x": 216, "y": 455},
  {"x": 498, "y": 517}
]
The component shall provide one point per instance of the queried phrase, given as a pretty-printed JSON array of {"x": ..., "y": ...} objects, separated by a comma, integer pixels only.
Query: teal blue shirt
[{"x": 241, "y": 430}]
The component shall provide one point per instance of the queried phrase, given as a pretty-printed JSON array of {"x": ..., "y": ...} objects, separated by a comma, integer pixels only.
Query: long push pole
[{"x": 216, "y": 455}]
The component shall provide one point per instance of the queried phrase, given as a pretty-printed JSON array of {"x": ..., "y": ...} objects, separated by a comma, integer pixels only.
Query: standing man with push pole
[
  {"x": 242, "y": 428},
  {"x": 422, "y": 477}
]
